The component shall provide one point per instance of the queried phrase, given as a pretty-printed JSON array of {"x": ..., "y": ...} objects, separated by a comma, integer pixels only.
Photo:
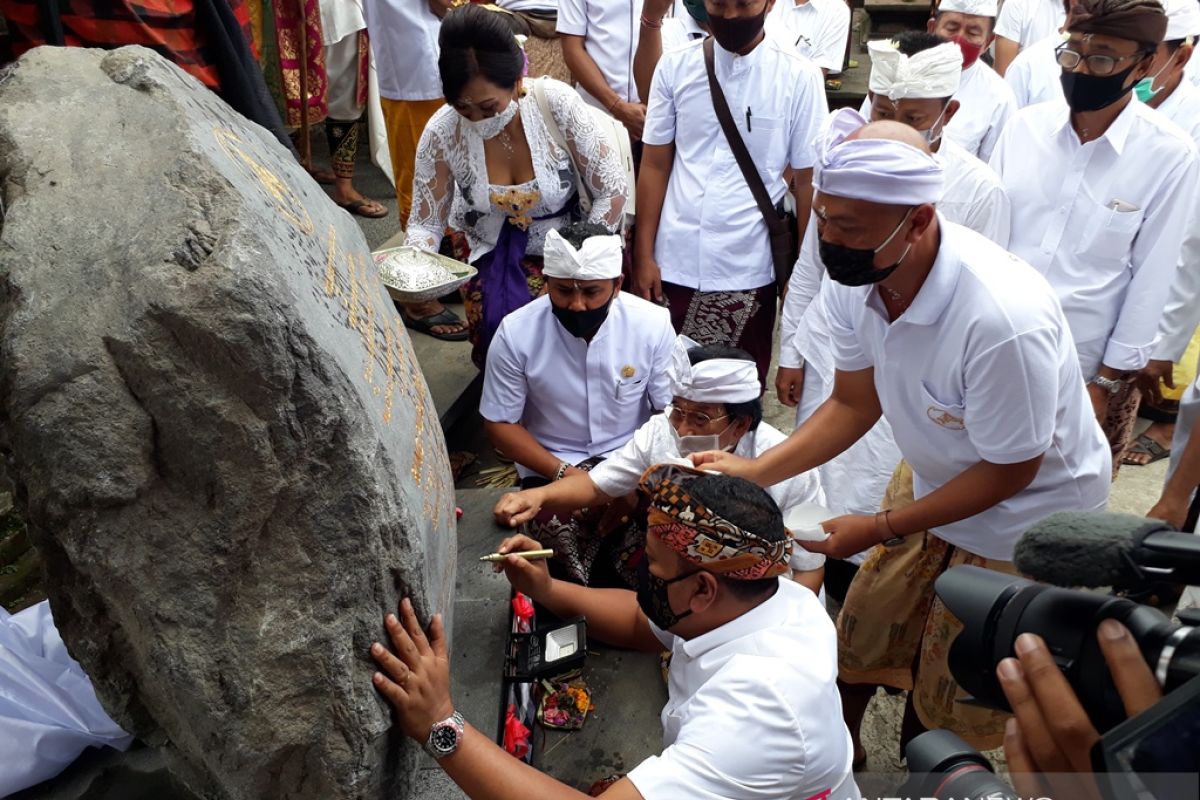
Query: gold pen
[{"x": 532, "y": 555}]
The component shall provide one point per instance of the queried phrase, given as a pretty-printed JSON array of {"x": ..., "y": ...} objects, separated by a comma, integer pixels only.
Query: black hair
[
  {"x": 1173, "y": 45},
  {"x": 578, "y": 232},
  {"x": 475, "y": 41},
  {"x": 912, "y": 42},
  {"x": 749, "y": 507},
  {"x": 750, "y": 409}
]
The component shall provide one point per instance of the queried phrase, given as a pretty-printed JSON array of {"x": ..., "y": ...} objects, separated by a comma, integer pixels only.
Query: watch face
[{"x": 444, "y": 738}]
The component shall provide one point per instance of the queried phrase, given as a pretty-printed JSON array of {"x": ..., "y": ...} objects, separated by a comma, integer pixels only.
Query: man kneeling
[
  {"x": 753, "y": 710},
  {"x": 716, "y": 405}
]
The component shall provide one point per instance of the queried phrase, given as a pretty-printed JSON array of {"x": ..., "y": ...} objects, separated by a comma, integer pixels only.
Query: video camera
[{"x": 1079, "y": 549}]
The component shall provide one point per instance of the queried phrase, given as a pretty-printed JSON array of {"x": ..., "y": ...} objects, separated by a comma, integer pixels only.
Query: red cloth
[{"x": 166, "y": 26}]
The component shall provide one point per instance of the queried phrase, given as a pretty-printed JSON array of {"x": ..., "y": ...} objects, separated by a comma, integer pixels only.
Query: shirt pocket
[
  {"x": 766, "y": 139},
  {"x": 944, "y": 409},
  {"x": 1108, "y": 233}
]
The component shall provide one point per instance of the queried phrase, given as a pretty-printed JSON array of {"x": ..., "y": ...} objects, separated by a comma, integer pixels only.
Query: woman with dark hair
[{"x": 489, "y": 167}]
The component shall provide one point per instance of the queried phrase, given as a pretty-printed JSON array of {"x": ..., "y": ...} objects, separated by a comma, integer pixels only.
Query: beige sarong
[{"x": 894, "y": 631}]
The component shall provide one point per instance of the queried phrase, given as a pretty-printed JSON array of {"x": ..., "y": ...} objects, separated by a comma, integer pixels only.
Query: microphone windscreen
[{"x": 1080, "y": 548}]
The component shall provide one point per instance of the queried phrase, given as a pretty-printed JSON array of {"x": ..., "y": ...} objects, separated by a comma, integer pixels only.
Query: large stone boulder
[{"x": 219, "y": 433}]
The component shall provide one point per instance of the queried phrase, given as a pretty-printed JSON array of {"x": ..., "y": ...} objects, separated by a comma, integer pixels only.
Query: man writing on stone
[
  {"x": 752, "y": 709},
  {"x": 571, "y": 376},
  {"x": 716, "y": 404},
  {"x": 966, "y": 352}
]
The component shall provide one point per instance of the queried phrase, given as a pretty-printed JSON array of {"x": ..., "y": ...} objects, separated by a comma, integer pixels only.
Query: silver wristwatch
[
  {"x": 1110, "y": 385},
  {"x": 445, "y": 736}
]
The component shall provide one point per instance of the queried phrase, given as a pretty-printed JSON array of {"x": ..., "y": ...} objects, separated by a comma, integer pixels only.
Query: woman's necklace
[{"x": 506, "y": 141}]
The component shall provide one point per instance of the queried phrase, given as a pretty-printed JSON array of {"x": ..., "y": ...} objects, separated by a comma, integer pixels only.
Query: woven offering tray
[{"x": 412, "y": 275}]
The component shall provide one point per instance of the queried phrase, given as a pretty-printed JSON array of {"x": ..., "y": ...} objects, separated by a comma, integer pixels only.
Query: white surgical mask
[
  {"x": 928, "y": 134},
  {"x": 490, "y": 127},
  {"x": 686, "y": 445}
]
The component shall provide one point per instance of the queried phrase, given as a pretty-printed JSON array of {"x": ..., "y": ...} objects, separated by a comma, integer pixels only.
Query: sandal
[
  {"x": 444, "y": 317},
  {"x": 1144, "y": 445},
  {"x": 360, "y": 207}
]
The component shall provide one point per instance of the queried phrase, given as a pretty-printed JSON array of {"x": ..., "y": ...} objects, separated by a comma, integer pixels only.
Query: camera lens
[
  {"x": 942, "y": 765},
  {"x": 996, "y": 608}
]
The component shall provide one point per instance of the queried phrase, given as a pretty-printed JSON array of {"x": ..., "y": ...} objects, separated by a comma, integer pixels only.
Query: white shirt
[
  {"x": 578, "y": 399},
  {"x": 981, "y": 367},
  {"x": 404, "y": 38},
  {"x": 1034, "y": 75},
  {"x": 818, "y": 28},
  {"x": 654, "y": 443},
  {"x": 716, "y": 240},
  {"x": 753, "y": 711},
  {"x": 339, "y": 19},
  {"x": 1026, "y": 21},
  {"x": 1103, "y": 221},
  {"x": 985, "y": 104},
  {"x": 678, "y": 30},
  {"x": 610, "y": 30},
  {"x": 1182, "y": 312},
  {"x": 973, "y": 196},
  {"x": 528, "y": 5}
]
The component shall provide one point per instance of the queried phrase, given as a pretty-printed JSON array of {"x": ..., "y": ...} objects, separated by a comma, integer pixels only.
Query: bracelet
[
  {"x": 613, "y": 104},
  {"x": 562, "y": 471},
  {"x": 650, "y": 24},
  {"x": 883, "y": 526}
]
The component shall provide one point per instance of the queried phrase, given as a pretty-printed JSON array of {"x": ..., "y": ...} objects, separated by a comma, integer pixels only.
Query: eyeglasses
[
  {"x": 1096, "y": 65},
  {"x": 698, "y": 419}
]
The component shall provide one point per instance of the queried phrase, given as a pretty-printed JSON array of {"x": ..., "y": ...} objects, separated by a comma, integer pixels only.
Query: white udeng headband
[
  {"x": 932, "y": 73},
  {"x": 599, "y": 258},
  {"x": 874, "y": 170},
  {"x": 979, "y": 8},
  {"x": 717, "y": 380}
]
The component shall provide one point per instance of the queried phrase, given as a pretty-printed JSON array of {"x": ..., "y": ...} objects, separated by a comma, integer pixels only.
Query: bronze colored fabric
[
  {"x": 894, "y": 631},
  {"x": 1136, "y": 20}
]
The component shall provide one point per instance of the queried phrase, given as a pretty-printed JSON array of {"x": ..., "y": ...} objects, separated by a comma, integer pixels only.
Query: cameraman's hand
[
  {"x": 1050, "y": 732},
  {"x": 527, "y": 577}
]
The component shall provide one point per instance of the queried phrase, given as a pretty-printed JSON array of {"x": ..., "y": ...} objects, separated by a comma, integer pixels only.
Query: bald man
[{"x": 964, "y": 349}]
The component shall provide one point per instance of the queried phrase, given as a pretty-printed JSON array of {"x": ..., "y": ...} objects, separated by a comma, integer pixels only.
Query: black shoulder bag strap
[{"x": 783, "y": 241}]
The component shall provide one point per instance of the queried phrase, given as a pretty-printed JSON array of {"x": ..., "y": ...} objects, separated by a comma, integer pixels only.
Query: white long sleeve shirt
[
  {"x": 1182, "y": 312},
  {"x": 1103, "y": 221}
]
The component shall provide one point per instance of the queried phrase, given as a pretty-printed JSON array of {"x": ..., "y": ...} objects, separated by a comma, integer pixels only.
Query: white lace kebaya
[{"x": 451, "y": 186}]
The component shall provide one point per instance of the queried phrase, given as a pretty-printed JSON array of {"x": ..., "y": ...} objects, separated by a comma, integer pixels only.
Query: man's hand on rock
[
  {"x": 528, "y": 577},
  {"x": 416, "y": 680},
  {"x": 517, "y": 508}
]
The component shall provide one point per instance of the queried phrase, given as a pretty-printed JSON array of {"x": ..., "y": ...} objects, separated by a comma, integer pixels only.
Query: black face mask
[
  {"x": 1094, "y": 92},
  {"x": 855, "y": 266},
  {"x": 582, "y": 324},
  {"x": 652, "y": 596},
  {"x": 737, "y": 33}
]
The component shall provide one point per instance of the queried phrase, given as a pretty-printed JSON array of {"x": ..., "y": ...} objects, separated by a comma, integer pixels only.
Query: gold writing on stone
[
  {"x": 350, "y": 278},
  {"x": 283, "y": 198}
]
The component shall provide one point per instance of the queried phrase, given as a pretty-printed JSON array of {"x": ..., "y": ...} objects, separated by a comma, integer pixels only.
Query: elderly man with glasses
[
  {"x": 716, "y": 405},
  {"x": 1102, "y": 191}
]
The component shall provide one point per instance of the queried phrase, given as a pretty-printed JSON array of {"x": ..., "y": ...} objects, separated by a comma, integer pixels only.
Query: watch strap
[
  {"x": 1110, "y": 385},
  {"x": 883, "y": 526},
  {"x": 434, "y": 747}
]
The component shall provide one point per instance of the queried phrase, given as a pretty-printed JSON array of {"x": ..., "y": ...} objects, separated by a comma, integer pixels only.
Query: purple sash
[{"x": 503, "y": 283}]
